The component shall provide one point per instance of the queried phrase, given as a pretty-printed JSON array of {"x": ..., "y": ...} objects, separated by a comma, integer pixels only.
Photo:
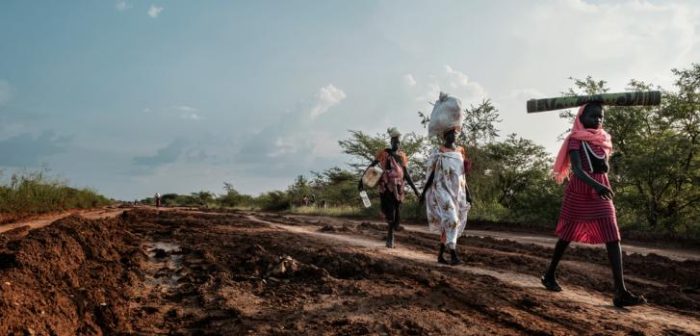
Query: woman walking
[
  {"x": 394, "y": 164},
  {"x": 587, "y": 211},
  {"x": 446, "y": 193}
]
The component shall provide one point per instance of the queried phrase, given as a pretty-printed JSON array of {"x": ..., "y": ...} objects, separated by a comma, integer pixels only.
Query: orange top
[{"x": 382, "y": 155}]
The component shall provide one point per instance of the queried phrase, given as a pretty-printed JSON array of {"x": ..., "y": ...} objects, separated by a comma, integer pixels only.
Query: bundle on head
[
  {"x": 614, "y": 99},
  {"x": 447, "y": 114}
]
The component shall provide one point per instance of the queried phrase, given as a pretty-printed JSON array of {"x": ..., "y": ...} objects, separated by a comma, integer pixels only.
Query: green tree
[
  {"x": 479, "y": 126},
  {"x": 335, "y": 186},
  {"x": 299, "y": 189},
  {"x": 202, "y": 198},
  {"x": 232, "y": 197},
  {"x": 363, "y": 147}
]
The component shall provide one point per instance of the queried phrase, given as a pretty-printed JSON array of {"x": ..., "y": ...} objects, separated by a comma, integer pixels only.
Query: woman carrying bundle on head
[
  {"x": 587, "y": 211},
  {"x": 446, "y": 193},
  {"x": 394, "y": 166}
]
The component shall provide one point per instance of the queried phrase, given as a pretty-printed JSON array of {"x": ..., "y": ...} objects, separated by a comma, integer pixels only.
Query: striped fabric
[{"x": 585, "y": 217}]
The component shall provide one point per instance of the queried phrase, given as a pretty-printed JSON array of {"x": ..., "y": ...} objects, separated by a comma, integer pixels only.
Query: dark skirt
[{"x": 390, "y": 206}]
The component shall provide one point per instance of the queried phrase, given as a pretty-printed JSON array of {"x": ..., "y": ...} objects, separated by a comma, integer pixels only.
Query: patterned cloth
[
  {"x": 392, "y": 179},
  {"x": 585, "y": 217},
  {"x": 446, "y": 199}
]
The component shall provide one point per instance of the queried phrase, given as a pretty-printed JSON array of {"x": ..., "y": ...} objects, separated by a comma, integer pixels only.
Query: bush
[
  {"x": 33, "y": 193},
  {"x": 273, "y": 201}
]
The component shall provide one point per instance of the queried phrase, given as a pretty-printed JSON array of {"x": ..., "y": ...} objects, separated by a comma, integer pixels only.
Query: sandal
[
  {"x": 628, "y": 299},
  {"x": 550, "y": 283}
]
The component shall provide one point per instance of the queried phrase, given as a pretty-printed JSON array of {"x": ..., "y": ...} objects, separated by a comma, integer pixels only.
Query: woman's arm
[
  {"x": 469, "y": 194},
  {"x": 577, "y": 168},
  {"x": 426, "y": 186},
  {"x": 408, "y": 179}
]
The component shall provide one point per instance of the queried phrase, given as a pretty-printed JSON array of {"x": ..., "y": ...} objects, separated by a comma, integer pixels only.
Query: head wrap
[
  {"x": 393, "y": 132},
  {"x": 562, "y": 165}
]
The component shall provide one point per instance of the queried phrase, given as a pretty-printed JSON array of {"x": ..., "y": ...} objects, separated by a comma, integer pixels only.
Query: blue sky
[{"x": 134, "y": 97}]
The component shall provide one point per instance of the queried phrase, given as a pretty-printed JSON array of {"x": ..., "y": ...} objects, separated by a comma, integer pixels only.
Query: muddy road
[{"x": 180, "y": 272}]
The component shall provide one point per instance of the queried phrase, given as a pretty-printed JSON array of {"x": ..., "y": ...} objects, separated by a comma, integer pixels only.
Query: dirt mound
[{"x": 71, "y": 277}]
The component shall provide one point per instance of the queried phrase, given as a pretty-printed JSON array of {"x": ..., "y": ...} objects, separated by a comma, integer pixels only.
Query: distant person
[
  {"x": 394, "y": 164},
  {"x": 446, "y": 194},
  {"x": 305, "y": 201},
  {"x": 587, "y": 211},
  {"x": 157, "y": 198}
]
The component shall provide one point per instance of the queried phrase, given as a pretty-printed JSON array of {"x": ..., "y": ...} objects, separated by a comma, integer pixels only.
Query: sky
[{"x": 136, "y": 97}]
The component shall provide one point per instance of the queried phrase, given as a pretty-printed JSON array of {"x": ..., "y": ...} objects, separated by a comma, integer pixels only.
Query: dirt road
[
  {"x": 520, "y": 237},
  {"x": 194, "y": 273},
  {"x": 44, "y": 220}
]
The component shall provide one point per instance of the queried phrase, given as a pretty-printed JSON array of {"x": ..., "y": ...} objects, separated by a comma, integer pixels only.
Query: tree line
[{"x": 655, "y": 168}]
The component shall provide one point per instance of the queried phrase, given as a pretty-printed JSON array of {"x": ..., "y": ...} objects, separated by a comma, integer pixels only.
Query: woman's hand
[{"x": 604, "y": 192}]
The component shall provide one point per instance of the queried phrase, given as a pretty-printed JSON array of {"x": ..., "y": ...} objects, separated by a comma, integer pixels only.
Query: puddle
[{"x": 164, "y": 265}]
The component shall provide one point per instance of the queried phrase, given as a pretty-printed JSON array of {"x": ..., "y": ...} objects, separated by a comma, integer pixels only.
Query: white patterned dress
[{"x": 446, "y": 199}]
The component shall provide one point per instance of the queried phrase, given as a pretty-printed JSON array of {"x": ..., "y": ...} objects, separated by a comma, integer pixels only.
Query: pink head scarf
[{"x": 562, "y": 166}]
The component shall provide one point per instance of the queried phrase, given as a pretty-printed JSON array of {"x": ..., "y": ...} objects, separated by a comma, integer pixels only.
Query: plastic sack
[{"x": 447, "y": 114}]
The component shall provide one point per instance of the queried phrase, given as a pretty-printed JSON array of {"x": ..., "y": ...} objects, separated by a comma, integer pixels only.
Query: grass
[
  {"x": 34, "y": 193},
  {"x": 335, "y": 211}
]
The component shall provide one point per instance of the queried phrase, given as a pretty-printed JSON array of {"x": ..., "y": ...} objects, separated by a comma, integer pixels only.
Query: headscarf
[{"x": 562, "y": 165}]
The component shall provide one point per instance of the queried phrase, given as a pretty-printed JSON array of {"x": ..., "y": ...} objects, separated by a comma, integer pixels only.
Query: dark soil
[{"x": 206, "y": 273}]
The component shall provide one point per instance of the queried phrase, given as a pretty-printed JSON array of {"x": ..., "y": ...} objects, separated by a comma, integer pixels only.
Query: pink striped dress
[{"x": 585, "y": 217}]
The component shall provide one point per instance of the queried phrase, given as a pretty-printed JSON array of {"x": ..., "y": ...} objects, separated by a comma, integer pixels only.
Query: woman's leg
[
  {"x": 397, "y": 215},
  {"x": 622, "y": 296},
  {"x": 443, "y": 239},
  {"x": 615, "y": 257},
  {"x": 388, "y": 209},
  {"x": 441, "y": 258},
  {"x": 454, "y": 258},
  {"x": 393, "y": 222},
  {"x": 549, "y": 278}
]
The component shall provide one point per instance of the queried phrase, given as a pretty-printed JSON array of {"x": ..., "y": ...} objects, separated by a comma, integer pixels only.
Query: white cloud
[
  {"x": 457, "y": 78},
  {"x": 409, "y": 80},
  {"x": 296, "y": 142},
  {"x": 619, "y": 40},
  {"x": 190, "y": 116},
  {"x": 185, "y": 108},
  {"x": 453, "y": 82},
  {"x": 5, "y": 92},
  {"x": 154, "y": 11},
  {"x": 188, "y": 112},
  {"x": 122, "y": 6},
  {"x": 325, "y": 99},
  {"x": 146, "y": 110}
]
